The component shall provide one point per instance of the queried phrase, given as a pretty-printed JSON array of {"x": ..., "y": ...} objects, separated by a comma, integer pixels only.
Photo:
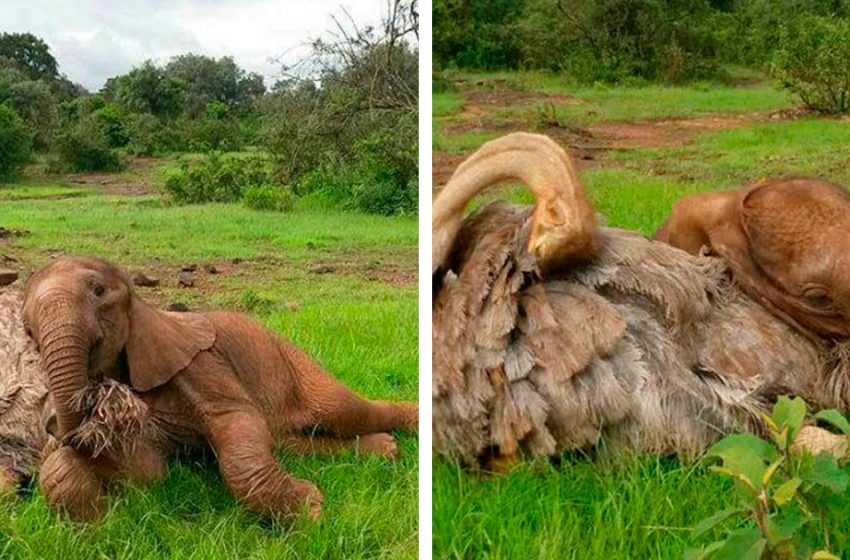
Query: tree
[
  {"x": 30, "y": 54},
  {"x": 35, "y": 103},
  {"x": 15, "y": 144},
  {"x": 207, "y": 80},
  {"x": 147, "y": 89},
  {"x": 344, "y": 120}
]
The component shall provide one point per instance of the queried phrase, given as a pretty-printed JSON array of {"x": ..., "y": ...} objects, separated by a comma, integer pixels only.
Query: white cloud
[{"x": 96, "y": 39}]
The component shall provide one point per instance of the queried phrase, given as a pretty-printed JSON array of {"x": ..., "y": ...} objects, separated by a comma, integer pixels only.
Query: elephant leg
[
  {"x": 70, "y": 484},
  {"x": 332, "y": 408},
  {"x": 345, "y": 414},
  {"x": 381, "y": 444},
  {"x": 244, "y": 447}
]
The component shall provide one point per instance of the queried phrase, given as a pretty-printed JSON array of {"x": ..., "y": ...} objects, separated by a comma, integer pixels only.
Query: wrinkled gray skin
[{"x": 24, "y": 402}]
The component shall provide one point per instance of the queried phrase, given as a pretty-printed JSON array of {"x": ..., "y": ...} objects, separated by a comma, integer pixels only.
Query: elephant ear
[
  {"x": 790, "y": 227},
  {"x": 162, "y": 344}
]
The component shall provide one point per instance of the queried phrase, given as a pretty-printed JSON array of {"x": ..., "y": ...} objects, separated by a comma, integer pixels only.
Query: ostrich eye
[{"x": 99, "y": 290}]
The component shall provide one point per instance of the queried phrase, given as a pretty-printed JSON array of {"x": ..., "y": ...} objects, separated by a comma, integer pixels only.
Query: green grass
[
  {"x": 359, "y": 321},
  {"x": 580, "y": 105},
  {"x": 615, "y": 103},
  {"x": 23, "y": 192},
  {"x": 631, "y": 508},
  {"x": 734, "y": 157},
  {"x": 445, "y": 103}
]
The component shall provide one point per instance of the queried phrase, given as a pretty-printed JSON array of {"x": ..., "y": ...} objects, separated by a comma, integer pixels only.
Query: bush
[
  {"x": 370, "y": 184},
  {"x": 85, "y": 147},
  {"x": 148, "y": 136},
  {"x": 15, "y": 143},
  {"x": 217, "y": 178},
  {"x": 269, "y": 197},
  {"x": 786, "y": 495},
  {"x": 593, "y": 40},
  {"x": 110, "y": 121},
  {"x": 812, "y": 61},
  {"x": 210, "y": 133}
]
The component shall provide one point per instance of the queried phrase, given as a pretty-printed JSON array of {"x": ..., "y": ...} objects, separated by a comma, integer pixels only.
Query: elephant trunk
[{"x": 64, "y": 350}]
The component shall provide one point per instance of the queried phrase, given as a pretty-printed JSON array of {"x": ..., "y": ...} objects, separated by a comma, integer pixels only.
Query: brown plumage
[
  {"x": 635, "y": 345},
  {"x": 23, "y": 394}
]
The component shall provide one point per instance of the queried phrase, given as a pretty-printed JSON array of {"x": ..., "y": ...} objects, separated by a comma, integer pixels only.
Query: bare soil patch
[
  {"x": 589, "y": 145},
  {"x": 481, "y": 97},
  {"x": 133, "y": 181},
  {"x": 666, "y": 133}
]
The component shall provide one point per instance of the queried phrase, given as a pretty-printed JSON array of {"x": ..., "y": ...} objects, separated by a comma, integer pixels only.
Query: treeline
[
  {"x": 663, "y": 41},
  {"x": 344, "y": 131}
]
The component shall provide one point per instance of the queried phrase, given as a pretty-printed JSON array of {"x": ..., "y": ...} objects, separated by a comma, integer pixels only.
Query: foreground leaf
[
  {"x": 743, "y": 544},
  {"x": 703, "y": 553},
  {"x": 786, "y": 492},
  {"x": 782, "y": 526},
  {"x": 707, "y": 524},
  {"x": 825, "y": 472},
  {"x": 834, "y": 419},
  {"x": 744, "y": 455},
  {"x": 790, "y": 413}
]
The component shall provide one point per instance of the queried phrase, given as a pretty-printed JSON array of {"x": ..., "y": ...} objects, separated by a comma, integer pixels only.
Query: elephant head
[
  {"x": 797, "y": 234},
  {"x": 89, "y": 325}
]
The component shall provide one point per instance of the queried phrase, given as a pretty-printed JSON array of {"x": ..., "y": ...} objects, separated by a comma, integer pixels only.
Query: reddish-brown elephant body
[{"x": 214, "y": 377}]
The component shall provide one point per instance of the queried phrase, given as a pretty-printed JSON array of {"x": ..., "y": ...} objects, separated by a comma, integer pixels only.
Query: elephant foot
[
  {"x": 71, "y": 486},
  {"x": 816, "y": 440},
  {"x": 309, "y": 495},
  {"x": 381, "y": 444}
]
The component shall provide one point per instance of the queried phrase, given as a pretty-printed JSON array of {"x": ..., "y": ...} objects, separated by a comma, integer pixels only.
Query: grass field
[
  {"x": 651, "y": 146},
  {"x": 341, "y": 285}
]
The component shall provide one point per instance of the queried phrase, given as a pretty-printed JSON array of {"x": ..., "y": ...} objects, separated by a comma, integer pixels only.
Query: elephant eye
[
  {"x": 99, "y": 290},
  {"x": 818, "y": 299}
]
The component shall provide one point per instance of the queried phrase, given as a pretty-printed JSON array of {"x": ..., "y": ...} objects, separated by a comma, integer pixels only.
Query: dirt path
[{"x": 132, "y": 181}]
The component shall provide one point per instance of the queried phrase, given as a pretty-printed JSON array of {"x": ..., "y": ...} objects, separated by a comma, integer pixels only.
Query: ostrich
[{"x": 553, "y": 334}]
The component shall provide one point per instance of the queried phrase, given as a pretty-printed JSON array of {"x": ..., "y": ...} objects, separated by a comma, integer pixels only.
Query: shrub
[
  {"x": 149, "y": 136},
  {"x": 785, "y": 495},
  {"x": 211, "y": 133},
  {"x": 269, "y": 197},
  {"x": 15, "y": 143},
  {"x": 593, "y": 40},
  {"x": 110, "y": 121},
  {"x": 217, "y": 178},
  {"x": 85, "y": 147},
  {"x": 812, "y": 61}
]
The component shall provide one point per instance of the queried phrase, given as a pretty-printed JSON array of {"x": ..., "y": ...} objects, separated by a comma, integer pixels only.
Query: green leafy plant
[
  {"x": 85, "y": 147},
  {"x": 217, "y": 178},
  {"x": 784, "y": 491},
  {"x": 269, "y": 197},
  {"x": 812, "y": 62},
  {"x": 15, "y": 143}
]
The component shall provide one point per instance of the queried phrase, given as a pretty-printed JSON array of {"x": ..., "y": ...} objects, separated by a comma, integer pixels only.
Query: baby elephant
[{"x": 214, "y": 377}]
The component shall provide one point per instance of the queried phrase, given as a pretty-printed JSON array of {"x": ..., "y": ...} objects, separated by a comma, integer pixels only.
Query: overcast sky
[{"x": 96, "y": 39}]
